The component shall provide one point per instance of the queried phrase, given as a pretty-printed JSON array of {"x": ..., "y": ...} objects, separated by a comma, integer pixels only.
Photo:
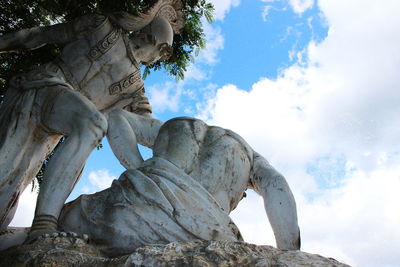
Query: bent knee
[
  {"x": 117, "y": 113},
  {"x": 98, "y": 123},
  {"x": 94, "y": 125}
]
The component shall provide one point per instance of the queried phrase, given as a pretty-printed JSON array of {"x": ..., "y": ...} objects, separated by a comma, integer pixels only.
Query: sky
[{"x": 312, "y": 85}]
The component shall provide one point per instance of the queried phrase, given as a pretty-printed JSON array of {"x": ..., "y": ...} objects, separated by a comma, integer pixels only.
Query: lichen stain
[{"x": 38, "y": 135}]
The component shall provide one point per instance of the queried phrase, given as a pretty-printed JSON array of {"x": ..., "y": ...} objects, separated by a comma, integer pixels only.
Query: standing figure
[{"x": 97, "y": 71}]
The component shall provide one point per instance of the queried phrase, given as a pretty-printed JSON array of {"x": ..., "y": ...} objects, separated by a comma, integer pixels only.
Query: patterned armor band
[
  {"x": 125, "y": 83},
  {"x": 104, "y": 45}
]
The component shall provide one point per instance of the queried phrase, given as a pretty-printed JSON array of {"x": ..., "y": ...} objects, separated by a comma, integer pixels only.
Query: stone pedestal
[{"x": 72, "y": 251}]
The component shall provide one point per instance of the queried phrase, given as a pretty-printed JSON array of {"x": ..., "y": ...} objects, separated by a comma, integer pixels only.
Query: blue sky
[{"x": 313, "y": 86}]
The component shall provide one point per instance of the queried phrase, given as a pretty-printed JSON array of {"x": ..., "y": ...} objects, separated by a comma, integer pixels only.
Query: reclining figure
[{"x": 196, "y": 177}]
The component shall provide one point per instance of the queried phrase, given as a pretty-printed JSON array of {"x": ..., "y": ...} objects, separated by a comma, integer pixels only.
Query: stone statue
[
  {"x": 196, "y": 177},
  {"x": 97, "y": 71}
]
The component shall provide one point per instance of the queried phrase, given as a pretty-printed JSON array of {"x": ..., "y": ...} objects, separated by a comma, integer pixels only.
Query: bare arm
[
  {"x": 126, "y": 130},
  {"x": 29, "y": 39},
  {"x": 279, "y": 203}
]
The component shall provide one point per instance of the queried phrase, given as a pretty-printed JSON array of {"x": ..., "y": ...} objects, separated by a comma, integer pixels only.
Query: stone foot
[
  {"x": 53, "y": 235},
  {"x": 35, "y": 234},
  {"x": 42, "y": 224}
]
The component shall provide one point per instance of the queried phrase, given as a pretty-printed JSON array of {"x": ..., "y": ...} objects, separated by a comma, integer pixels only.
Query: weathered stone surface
[
  {"x": 185, "y": 192},
  {"x": 70, "y": 251},
  {"x": 98, "y": 70}
]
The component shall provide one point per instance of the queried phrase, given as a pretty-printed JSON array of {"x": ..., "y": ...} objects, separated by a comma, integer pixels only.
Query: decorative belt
[{"x": 122, "y": 85}]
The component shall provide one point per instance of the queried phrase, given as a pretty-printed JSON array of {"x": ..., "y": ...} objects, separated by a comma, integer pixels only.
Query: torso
[
  {"x": 99, "y": 66},
  {"x": 217, "y": 158},
  {"x": 223, "y": 166}
]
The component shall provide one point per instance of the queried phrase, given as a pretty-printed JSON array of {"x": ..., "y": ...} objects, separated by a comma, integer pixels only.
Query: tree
[{"x": 20, "y": 14}]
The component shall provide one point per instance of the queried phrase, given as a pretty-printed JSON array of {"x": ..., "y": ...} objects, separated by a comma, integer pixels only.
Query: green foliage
[
  {"x": 20, "y": 14},
  {"x": 190, "y": 40}
]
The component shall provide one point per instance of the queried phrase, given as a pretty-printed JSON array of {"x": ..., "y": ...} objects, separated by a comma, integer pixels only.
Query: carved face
[
  {"x": 154, "y": 41},
  {"x": 148, "y": 50}
]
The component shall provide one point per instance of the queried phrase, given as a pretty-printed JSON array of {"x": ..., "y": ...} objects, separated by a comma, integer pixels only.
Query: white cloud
[
  {"x": 222, "y": 7},
  {"x": 26, "y": 208},
  {"x": 208, "y": 56},
  {"x": 168, "y": 96},
  {"x": 214, "y": 43},
  {"x": 100, "y": 179},
  {"x": 266, "y": 10},
  {"x": 165, "y": 96},
  {"x": 330, "y": 228},
  {"x": 195, "y": 72},
  {"x": 299, "y": 6},
  {"x": 358, "y": 219},
  {"x": 252, "y": 220},
  {"x": 339, "y": 103}
]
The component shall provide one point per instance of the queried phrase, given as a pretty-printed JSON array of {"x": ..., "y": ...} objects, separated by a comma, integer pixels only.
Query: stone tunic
[{"x": 156, "y": 204}]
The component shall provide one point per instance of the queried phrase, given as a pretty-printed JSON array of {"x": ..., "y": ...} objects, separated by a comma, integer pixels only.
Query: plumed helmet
[
  {"x": 168, "y": 9},
  {"x": 161, "y": 30}
]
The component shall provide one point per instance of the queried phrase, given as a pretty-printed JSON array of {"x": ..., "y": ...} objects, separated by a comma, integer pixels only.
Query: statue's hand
[{"x": 140, "y": 105}]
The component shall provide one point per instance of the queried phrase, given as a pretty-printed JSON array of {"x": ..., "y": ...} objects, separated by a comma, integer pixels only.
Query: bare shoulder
[
  {"x": 215, "y": 133},
  {"x": 89, "y": 21}
]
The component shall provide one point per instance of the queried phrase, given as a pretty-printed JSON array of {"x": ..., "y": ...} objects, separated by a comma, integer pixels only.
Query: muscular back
[{"x": 217, "y": 158}]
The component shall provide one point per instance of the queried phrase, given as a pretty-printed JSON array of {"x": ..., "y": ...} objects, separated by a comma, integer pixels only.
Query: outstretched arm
[
  {"x": 28, "y": 39},
  {"x": 126, "y": 130},
  {"x": 279, "y": 203}
]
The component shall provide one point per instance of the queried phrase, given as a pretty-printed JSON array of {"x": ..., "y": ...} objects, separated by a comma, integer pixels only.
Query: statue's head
[{"x": 153, "y": 42}]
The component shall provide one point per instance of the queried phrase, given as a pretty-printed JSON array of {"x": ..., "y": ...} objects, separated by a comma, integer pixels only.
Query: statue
[
  {"x": 198, "y": 174},
  {"x": 196, "y": 177},
  {"x": 96, "y": 72}
]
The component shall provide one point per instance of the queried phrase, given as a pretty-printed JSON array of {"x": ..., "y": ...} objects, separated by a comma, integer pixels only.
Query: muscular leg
[
  {"x": 23, "y": 148},
  {"x": 74, "y": 116},
  {"x": 126, "y": 130},
  {"x": 279, "y": 203}
]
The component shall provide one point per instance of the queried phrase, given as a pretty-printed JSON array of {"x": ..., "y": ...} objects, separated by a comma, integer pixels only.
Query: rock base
[{"x": 70, "y": 251}]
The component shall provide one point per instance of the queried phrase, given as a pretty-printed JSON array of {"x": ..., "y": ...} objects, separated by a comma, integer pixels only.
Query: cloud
[
  {"x": 222, "y": 7},
  {"x": 100, "y": 180},
  {"x": 214, "y": 43},
  {"x": 299, "y": 6},
  {"x": 336, "y": 109},
  {"x": 208, "y": 56},
  {"x": 195, "y": 72},
  {"x": 26, "y": 208},
  {"x": 330, "y": 228},
  {"x": 266, "y": 11},
  {"x": 252, "y": 220},
  {"x": 165, "y": 96},
  {"x": 356, "y": 220},
  {"x": 200, "y": 69},
  {"x": 168, "y": 96}
]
